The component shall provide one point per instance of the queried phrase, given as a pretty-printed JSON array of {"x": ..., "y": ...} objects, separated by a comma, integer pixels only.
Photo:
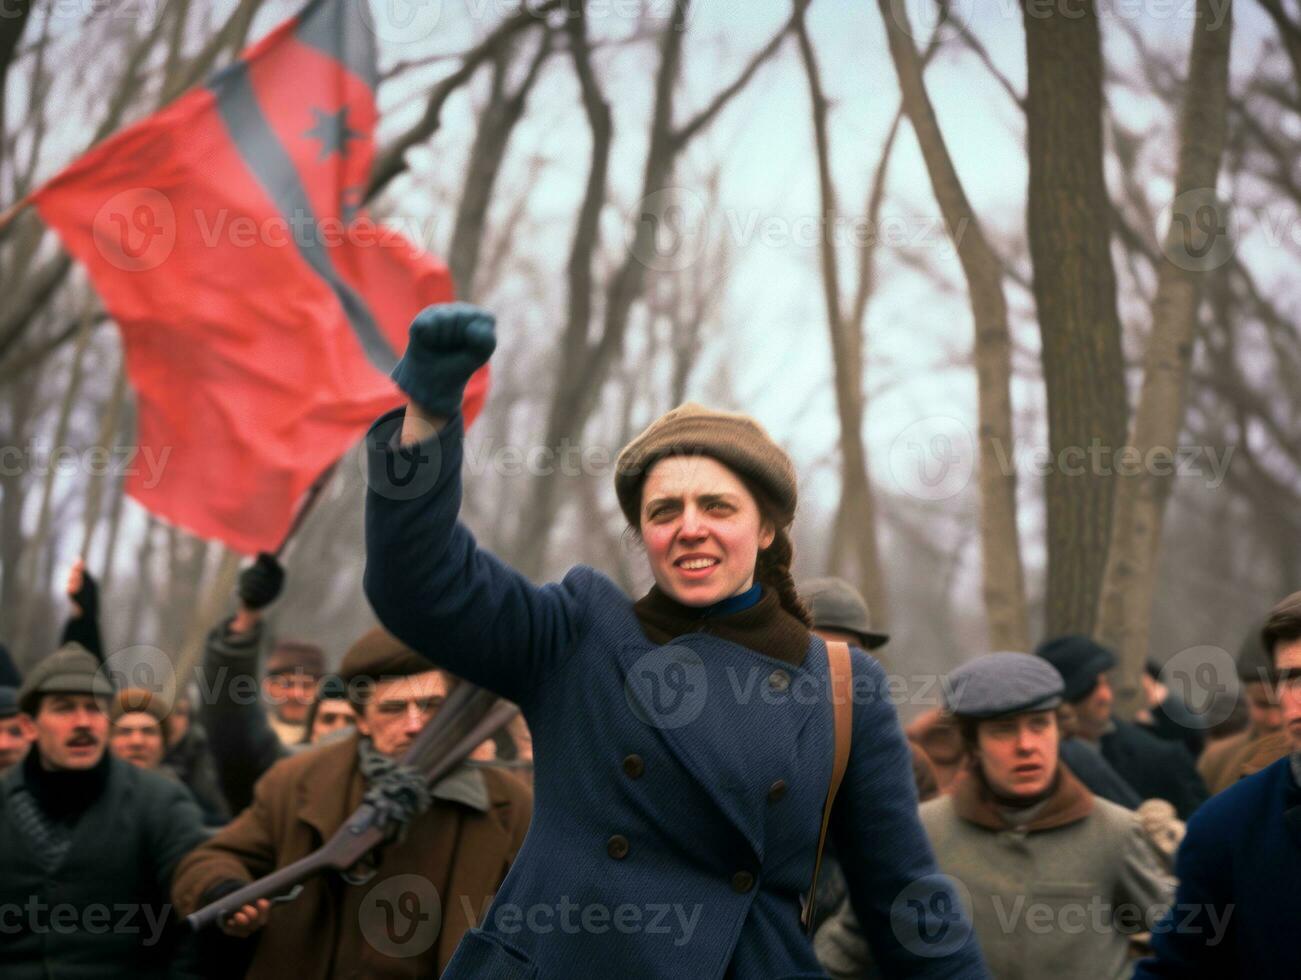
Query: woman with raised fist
[{"x": 684, "y": 744}]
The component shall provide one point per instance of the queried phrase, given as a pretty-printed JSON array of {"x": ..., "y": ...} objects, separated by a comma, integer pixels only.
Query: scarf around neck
[
  {"x": 762, "y": 625},
  {"x": 64, "y": 794},
  {"x": 1066, "y": 803}
]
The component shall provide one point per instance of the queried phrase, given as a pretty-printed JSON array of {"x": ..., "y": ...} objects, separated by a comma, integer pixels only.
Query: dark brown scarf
[
  {"x": 1067, "y": 802},
  {"x": 765, "y": 627}
]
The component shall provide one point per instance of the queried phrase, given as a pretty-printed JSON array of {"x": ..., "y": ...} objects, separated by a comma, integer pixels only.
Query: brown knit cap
[
  {"x": 735, "y": 440},
  {"x": 131, "y": 699},
  {"x": 376, "y": 656}
]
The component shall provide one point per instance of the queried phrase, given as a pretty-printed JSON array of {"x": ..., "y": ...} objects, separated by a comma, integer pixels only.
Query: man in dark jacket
[
  {"x": 1240, "y": 864},
  {"x": 14, "y": 739},
  {"x": 88, "y": 842},
  {"x": 1154, "y": 767},
  {"x": 244, "y": 736}
]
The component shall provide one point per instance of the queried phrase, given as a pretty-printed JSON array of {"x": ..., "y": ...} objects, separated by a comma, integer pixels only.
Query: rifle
[{"x": 468, "y": 717}]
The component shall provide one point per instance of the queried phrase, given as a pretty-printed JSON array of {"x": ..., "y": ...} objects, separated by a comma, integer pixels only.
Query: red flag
[{"x": 260, "y": 309}]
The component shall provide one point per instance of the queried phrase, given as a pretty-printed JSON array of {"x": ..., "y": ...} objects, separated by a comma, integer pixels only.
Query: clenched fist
[{"x": 448, "y": 343}]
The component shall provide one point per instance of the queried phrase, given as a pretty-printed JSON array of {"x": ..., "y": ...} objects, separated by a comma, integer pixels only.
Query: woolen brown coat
[{"x": 389, "y": 926}]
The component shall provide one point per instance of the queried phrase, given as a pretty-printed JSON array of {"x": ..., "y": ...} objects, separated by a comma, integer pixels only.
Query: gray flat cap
[
  {"x": 71, "y": 669},
  {"x": 1002, "y": 684},
  {"x": 837, "y": 605}
]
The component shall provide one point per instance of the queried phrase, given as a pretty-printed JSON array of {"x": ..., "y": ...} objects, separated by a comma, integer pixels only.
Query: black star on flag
[{"x": 332, "y": 130}]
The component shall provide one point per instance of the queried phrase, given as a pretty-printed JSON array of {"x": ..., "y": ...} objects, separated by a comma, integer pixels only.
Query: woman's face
[{"x": 702, "y": 530}]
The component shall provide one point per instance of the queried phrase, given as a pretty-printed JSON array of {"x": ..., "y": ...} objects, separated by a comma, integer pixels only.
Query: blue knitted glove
[{"x": 448, "y": 343}]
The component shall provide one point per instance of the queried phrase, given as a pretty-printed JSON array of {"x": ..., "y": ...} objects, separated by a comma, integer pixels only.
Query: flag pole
[
  {"x": 13, "y": 211},
  {"x": 309, "y": 501}
]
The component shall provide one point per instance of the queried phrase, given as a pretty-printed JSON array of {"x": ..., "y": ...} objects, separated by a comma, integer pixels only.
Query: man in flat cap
[
  {"x": 1153, "y": 767},
  {"x": 1057, "y": 879},
  {"x": 431, "y": 885},
  {"x": 88, "y": 842},
  {"x": 1239, "y": 865}
]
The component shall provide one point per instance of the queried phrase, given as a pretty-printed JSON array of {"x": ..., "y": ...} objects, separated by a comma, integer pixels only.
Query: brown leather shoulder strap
[{"x": 840, "y": 670}]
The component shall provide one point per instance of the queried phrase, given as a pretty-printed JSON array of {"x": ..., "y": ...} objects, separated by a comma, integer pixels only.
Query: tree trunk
[
  {"x": 1125, "y": 610},
  {"x": 1068, "y": 215},
  {"x": 1004, "y": 578},
  {"x": 856, "y": 515}
]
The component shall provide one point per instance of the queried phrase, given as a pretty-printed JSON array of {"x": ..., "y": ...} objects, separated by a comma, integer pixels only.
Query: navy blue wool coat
[
  {"x": 678, "y": 788},
  {"x": 1239, "y": 898}
]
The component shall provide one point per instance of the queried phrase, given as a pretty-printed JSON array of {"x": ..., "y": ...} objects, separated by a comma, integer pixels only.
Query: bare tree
[
  {"x": 1068, "y": 217},
  {"x": 1004, "y": 577},
  {"x": 1125, "y": 612}
]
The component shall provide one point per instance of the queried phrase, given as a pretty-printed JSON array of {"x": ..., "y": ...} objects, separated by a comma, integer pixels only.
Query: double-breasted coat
[{"x": 678, "y": 788}]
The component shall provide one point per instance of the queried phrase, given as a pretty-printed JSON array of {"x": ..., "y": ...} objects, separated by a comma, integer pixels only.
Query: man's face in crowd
[
  {"x": 16, "y": 735},
  {"x": 1093, "y": 712},
  {"x": 1018, "y": 754},
  {"x": 290, "y": 695},
  {"x": 334, "y": 714},
  {"x": 1263, "y": 711},
  {"x": 71, "y": 731},
  {"x": 137, "y": 738},
  {"x": 398, "y": 708},
  {"x": 1287, "y": 657}
]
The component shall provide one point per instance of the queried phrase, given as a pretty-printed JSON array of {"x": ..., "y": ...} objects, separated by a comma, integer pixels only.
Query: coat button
[
  {"x": 633, "y": 766},
  {"x": 776, "y": 791},
  {"x": 742, "y": 882},
  {"x": 779, "y": 680},
  {"x": 617, "y": 847}
]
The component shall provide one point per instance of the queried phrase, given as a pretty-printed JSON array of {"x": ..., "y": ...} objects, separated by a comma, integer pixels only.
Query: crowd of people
[{"x": 698, "y": 804}]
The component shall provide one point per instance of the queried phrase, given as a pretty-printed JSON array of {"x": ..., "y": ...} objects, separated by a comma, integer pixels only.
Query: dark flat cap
[
  {"x": 296, "y": 656},
  {"x": 71, "y": 669},
  {"x": 837, "y": 605},
  {"x": 998, "y": 684},
  {"x": 378, "y": 655},
  {"x": 8, "y": 701},
  {"x": 1079, "y": 660}
]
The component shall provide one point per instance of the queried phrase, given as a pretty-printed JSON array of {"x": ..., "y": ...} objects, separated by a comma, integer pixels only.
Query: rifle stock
[{"x": 469, "y": 717}]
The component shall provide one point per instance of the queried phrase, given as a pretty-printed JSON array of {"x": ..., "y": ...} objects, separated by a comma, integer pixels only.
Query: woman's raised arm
[{"x": 428, "y": 581}]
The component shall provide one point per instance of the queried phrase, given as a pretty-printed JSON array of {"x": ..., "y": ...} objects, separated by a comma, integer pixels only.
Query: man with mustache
[
  {"x": 1057, "y": 878},
  {"x": 88, "y": 842},
  {"x": 1240, "y": 863}
]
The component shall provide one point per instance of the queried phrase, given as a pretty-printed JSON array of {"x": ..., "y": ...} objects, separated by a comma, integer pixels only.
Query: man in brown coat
[
  {"x": 1227, "y": 761},
  {"x": 430, "y": 886}
]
